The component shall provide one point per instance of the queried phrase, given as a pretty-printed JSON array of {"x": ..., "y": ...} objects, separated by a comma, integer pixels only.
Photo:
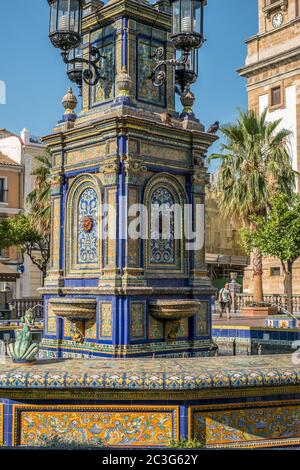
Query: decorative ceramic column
[
  {"x": 235, "y": 288},
  {"x": 135, "y": 173},
  {"x": 58, "y": 189},
  {"x": 197, "y": 259},
  {"x": 110, "y": 178}
]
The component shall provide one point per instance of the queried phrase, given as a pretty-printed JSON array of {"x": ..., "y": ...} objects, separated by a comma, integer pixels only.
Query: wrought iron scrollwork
[
  {"x": 159, "y": 76},
  {"x": 92, "y": 75}
]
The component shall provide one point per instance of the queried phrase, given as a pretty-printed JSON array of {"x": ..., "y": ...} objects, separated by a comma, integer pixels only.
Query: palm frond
[{"x": 255, "y": 160}]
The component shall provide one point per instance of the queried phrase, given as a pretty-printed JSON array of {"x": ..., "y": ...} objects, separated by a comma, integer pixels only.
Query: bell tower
[
  {"x": 272, "y": 70},
  {"x": 108, "y": 292},
  {"x": 272, "y": 66}
]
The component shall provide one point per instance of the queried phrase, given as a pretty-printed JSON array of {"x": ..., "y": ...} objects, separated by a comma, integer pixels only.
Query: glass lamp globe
[{"x": 65, "y": 23}]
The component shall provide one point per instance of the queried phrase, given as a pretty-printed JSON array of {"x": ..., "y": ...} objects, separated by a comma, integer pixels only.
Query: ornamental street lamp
[
  {"x": 65, "y": 34},
  {"x": 188, "y": 23},
  {"x": 65, "y": 23},
  {"x": 187, "y": 37},
  {"x": 75, "y": 68}
]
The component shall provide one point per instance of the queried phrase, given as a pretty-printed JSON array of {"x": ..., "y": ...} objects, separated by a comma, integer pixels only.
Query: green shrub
[
  {"x": 257, "y": 304},
  {"x": 64, "y": 442},
  {"x": 187, "y": 444}
]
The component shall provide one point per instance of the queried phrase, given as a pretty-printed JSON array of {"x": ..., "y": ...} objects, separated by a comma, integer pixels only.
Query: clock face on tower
[{"x": 277, "y": 20}]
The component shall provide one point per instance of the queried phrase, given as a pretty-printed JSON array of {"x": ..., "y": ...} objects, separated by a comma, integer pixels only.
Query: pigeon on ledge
[{"x": 214, "y": 128}]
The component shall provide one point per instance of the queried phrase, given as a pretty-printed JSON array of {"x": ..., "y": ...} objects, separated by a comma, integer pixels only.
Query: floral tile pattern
[
  {"x": 225, "y": 426},
  {"x": 111, "y": 425},
  {"x": 170, "y": 374}
]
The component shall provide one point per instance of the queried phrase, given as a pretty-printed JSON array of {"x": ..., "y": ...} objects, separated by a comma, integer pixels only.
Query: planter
[{"x": 259, "y": 312}]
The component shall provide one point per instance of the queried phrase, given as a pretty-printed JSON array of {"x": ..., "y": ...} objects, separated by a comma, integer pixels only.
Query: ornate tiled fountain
[
  {"x": 119, "y": 296},
  {"x": 129, "y": 298}
]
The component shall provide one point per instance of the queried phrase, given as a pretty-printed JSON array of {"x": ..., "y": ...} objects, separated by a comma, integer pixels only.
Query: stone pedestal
[
  {"x": 258, "y": 312},
  {"x": 235, "y": 288}
]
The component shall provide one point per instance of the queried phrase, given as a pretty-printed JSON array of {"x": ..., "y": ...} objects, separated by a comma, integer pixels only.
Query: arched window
[
  {"x": 164, "y": 198},
  {"x": 83, "y": 228}
]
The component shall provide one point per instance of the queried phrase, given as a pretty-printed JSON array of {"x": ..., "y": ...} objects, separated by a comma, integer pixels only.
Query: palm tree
[
  {"x": 255, "y": 164},
  {"x": 39, "y": 198}
]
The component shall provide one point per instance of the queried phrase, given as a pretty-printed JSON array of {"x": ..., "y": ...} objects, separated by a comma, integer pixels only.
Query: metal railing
[{"x": 34, "y": 139}]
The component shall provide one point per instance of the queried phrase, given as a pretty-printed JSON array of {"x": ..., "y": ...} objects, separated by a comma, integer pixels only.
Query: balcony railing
[
  {"x": 21, "y": 305},
  {"x": 34, "y": 139},
  {"x": 277, "y": 299}
]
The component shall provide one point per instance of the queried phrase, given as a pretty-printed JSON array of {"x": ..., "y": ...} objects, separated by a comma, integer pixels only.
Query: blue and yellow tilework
[{"x": 114, "y": 426}]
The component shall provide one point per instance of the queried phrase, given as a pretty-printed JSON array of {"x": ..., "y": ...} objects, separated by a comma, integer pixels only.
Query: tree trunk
[
  {"x": 289, "y": 285},
  {"x": 257, "y": 275}
]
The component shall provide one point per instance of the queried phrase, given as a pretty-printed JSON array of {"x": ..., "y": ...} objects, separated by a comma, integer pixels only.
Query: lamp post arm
[
  {"x": 159, "y": 76},
  {"x": 93, "y": 74}
]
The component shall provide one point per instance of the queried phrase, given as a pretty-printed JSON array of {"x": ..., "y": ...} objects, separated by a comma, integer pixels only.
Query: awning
[{"x": 7, "y": 274}]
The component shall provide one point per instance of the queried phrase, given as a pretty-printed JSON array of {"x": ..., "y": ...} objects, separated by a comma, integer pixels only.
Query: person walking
[{"x": 225, "y": 299}]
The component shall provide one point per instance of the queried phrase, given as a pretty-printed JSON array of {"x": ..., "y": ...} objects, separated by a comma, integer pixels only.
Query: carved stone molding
[
  {"x": 110, "y": 171},
  {"x": 281, "y": 5},
  {"x": 110, "y": 166},
  {"x": 135, "y": 171},
  {"x": 56, "y": 179}
]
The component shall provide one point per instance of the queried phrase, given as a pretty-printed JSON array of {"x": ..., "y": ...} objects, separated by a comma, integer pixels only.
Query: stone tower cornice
[{"x": 270, "y": 62}]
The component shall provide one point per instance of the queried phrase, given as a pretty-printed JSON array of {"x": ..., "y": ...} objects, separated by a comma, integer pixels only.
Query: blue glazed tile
[
  {"x": 283, "y": 336},
  {"x": 238, "y": 379},
  {"x": 253, "y": 334},
  {"x": 289, "y": 377},
  {"x": 154, "y": 381},
  {"x": 189, "y": 381},
  {"x": 220, "y": 380},
  {"x": 94, "y": 380},
  {"x": 204, "y": 381},
  {"x": 255, "y": 378},
  {"x": 173, "y": 380},
  {"x": 273, "y": 377}
]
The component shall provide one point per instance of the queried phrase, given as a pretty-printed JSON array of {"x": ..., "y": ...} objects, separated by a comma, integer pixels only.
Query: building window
[
  {"x": 275, "y": 271},
  {"x": 3, "y": 190},
  {"x": 4, "y": 254},
  {"x": 276, "y": 96}
]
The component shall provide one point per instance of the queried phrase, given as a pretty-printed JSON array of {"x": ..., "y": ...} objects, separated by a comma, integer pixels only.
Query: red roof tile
[{"x": 5, "y": 160}]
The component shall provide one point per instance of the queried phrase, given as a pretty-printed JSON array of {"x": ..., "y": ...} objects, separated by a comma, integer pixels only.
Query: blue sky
[{"x": 36, "y": 80}]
